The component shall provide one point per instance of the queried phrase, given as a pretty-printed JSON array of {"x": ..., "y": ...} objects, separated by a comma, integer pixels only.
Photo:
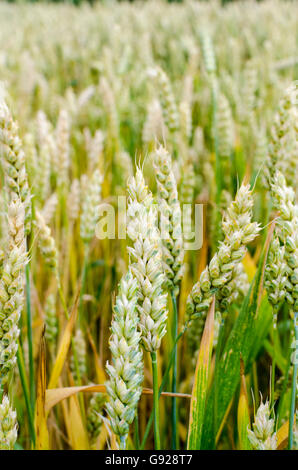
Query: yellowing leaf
[
  {"x": 101, "y": 439},
  {"x": 249, "y": 266},
  {"x": 78, "y": 437},
  {"x": 283, "y": 436},
  {"x": 243, "y": 340},
  {"x": 64, "y": 346},
  {"x": 243, "y": 420},
  {"x": 55, "y": 395},
  {"x": 200, "y": 386},
  {"x": 42, "y": 437},
  {"x": 100, "y": 373}
]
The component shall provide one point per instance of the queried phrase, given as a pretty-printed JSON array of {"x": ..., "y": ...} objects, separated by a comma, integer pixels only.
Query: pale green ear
[{"x": 8, "y": 425}]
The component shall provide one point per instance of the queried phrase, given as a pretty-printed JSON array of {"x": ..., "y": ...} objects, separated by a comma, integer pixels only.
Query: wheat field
[{"x": 149, "y": 225}]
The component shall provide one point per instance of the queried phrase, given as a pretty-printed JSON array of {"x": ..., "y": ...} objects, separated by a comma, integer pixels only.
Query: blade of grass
[
  {"x": 42, "y": 437},
  {"x": 200, "y": 386},
  {"x": 56, "y": 395},
  {"x": 79, "y": 438},
  {"x": 83, "y": 281},
  {"x": 64, "y": 346},
  {"x": 283, "y": 436},
  {"x": 241, "y": 341},
  {"x": 25, "y": 387},
  {"x": 243, "y": 420},
  {"x": 294, "y": 386}
]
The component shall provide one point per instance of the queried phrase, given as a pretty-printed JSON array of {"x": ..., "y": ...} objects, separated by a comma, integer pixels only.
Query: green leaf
[{"x": 242, "y": 342}]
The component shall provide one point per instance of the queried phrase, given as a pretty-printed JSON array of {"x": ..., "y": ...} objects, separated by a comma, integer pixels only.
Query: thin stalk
[
  {"x": 83, "y": 283},
  {"x": 294, "y": 386},
  {"x": 66, "y": 262},
  {"x": 218, "y": 170},
  {"x": 255, "y": 384},
  {"x": 136, "y": 432},
  {"x": 122, "y": 445},
  {"x": 78, "y": 380},
  {"x": 81, "y": 399},
  {"x": 218, "y": 174},
  {"x": 163, "y": 383},
  {"x": 84, "y": 272},
  {"x": 272, "y": 382},
  {"x": 25, "y": 387},
  {"x": 174, "y": 377},
  {"x": 275, "y": 345},
  {"x": 30, "y": 337},
  {"x": 284, "y": 387},
  {"x": 62, "y": 299},
  {"x": 155, "y": 400},
  {"x": 216, "y": 368}
]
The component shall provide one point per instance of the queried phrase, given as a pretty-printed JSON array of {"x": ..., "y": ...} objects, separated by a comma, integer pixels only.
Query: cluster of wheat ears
[{"x": 136, "y": 341}]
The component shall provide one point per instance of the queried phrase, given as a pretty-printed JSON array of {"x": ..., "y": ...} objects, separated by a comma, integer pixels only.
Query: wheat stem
[
  {"x": 83, "y": 282},
  {"x": 30, "y": 337},
  {"x": 275, "y": 344},
  {"x": 162, "y": 386},
  {"x": 174, "y": 378},
  {"x": 23, "y": 378},
  {"x": 294, "y": 387},
  {"x": 155, "y": 400}
]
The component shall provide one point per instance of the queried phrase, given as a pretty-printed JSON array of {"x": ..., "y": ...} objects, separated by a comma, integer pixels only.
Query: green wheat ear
[
  {"x": 170, "y": 213},
  {"x": 284, "y": 202},
  {"x": 146, "y": 262},
  {"x": 14, "y": 162},
  {"x": 219, "y": 275},
  {"x": 90, "y": 204},
  {"x": 126, "y": 370},
  {"x": 79, "y": 345},
  {"x": 166, "y": 96},
  {"x": 263, "y": 437},
  {"x": 12, "y": 289},
  {"x": 8, "y": 425},
  {"x": 47, "y": 244}
]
